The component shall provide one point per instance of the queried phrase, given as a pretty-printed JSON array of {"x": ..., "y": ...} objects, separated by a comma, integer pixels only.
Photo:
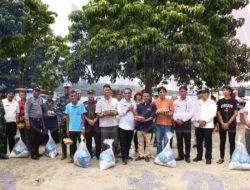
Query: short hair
[
  {"x": 227, "y": 88},
  {"x": 78, "y": 91},
  {"x": 72, "y": 92},
  {"x": 161, "y": 88},
  {"x": 127, "y": 89},
  {"x": 183, "y": 88},
  {"x": 146, "y": 92},
  {"x": 106, "y": 86}
]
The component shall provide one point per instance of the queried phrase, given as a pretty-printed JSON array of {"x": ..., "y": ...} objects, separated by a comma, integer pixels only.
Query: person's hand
[
  {"x": 91, "y": 122},
  {"x": 67, "y": 132},
  {"x": 179, "y": 122},
  {"x": 64, "y": 118},
  {"x": 202, "y": 123},
  {"x": 83, "y": 131},
  {"x": 247, "y": 126},
  {"x": 143, "y": 119},
  {"x": 106, "y": 113},
  {"x": 226, "y": 126}
]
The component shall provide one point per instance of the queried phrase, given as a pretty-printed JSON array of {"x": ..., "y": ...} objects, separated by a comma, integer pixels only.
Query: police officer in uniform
[{"x": 61, "y": 105}]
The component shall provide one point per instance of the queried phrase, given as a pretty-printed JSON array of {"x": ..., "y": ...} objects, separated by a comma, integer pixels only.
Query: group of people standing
[{"x": 122, "y": 118}]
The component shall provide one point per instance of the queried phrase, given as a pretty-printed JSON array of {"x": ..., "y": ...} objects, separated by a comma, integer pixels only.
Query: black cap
[
  {"x": 37, "y": 89},
  {"x": 205, "y": 90},
  {"x": 90, "y": 92}
]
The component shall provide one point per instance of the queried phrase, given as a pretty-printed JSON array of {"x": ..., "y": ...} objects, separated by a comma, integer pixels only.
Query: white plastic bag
[
  {"x": 132, "y": 153},
  {"x": 18, "y": 134},
  {"x": 240, "y": 159},
  {"x": 107, "y": 157},
  {"x": 82, "y": 157},
  {"x": 166, "y": 156},
  {"x": 20, "y": 150},
  {"x": 50, "y": 148}
]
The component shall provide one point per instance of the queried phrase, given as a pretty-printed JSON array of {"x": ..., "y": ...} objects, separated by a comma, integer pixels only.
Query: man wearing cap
[
  {"x": 3, "y": 138},
  {"x": 11, "y": 110},
  {"x": 61, "y": 105},
  {"x": 33, "y": 120},
  {"x": 92, "y": 125},
  {"x": 183, "y": 112},
  {"x": 206, "y": 125}
]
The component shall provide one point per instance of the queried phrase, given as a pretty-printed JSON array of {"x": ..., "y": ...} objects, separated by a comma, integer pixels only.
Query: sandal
[{"x": 220, "y": 161}]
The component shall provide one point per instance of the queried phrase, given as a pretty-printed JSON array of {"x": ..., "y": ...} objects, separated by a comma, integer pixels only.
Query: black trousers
[
  {"x": 110, "y": 133},
  {"x": 136, "y": 141},
  {"x": 90, "y": 132},
  {"x": 126, "y": 137},
  {"x": 203, "y": 134},
  {"x": 223, "y": 137},
  {"x": 74, "y": 136},
  {"x": 63, "y": 134},
  {"x": 183, "y": 134},
  {"x": 10, "y": 134},
  {"x": 34, "y": 141}
]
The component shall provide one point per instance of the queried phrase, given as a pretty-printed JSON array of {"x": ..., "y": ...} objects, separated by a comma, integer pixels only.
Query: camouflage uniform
[
  {"x": 61, "y": 105},
  {"x": 2, "y": 130}
]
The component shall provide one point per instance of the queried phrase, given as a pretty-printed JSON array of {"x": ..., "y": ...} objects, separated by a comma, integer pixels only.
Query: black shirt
[{"x": 227, "y": 107}]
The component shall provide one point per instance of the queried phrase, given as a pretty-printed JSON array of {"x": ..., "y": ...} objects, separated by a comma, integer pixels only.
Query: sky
[{"x": 64, "y": 7}]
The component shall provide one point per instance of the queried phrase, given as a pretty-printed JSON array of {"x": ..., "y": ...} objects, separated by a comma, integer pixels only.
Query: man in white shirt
[
  {"x": 183, "y": 112},
  {"x": 206, "y": 125},
  {"x": 247, "y": 125},
  {"x": 126, "y": 111},
  {"x": 106, "y": 109},
  {"x": 11, "y": 110}
]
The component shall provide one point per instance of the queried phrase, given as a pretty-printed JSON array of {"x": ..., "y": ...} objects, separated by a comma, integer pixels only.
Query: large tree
[
  {"x": 29, "y": 52},
  {"x": 154, "y": 39}
]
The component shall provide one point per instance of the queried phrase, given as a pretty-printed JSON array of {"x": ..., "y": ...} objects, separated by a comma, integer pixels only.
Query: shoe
[
  {"x": 4, "y": 157},
  {"x": 35, "y": 157},
  {"x": 187, "y": 159},
  {"x": 194, "y": 146},
  {"x": 179, "y": 158},
  {"x": 124, "y": 161},
  {"x": 63, "y": 157},
  {"x": 208, "y": 162},
  {"x": 71, "y": 161},
  {"x": 139, "y": 158},
  {"x": 220, "y": 161},
  {"x": 129, "y": 158},
  {"x": 40, "y": 155},
  {"x": 197, "y": 159},
  {"x": 147, "y": 159}
]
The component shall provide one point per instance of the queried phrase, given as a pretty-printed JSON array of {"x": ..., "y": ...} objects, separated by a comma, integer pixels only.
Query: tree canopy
[
  {"x": 194, "y": 40},
  {"x": 29, "y": 52}
]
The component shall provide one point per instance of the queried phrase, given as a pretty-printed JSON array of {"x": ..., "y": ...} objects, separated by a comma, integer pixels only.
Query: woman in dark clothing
[{"x": 50, "y": 117}]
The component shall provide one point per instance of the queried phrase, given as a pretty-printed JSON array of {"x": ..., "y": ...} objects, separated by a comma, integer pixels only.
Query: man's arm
[{"x": 26, "y": 112}]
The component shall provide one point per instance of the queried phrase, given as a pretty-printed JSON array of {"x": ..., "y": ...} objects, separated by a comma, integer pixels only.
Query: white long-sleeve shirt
[
  {"x": 127, "y": 121},
  {"x": 208, "y": 112},
  {"x": 183, "y": 109}
]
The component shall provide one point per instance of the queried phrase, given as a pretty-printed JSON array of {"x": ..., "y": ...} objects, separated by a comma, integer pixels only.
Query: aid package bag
[
  {"x": 166, "y": 156},
  {"x": 20, "y": 150},
  {"x": 82, "y": 156},
  {"x": 50, "y": 148},
  {"x": 107, "y": 157},
  {"x": 240, "y": 159}
]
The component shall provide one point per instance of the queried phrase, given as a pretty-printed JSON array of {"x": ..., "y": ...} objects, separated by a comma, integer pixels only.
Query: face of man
[
  {"x": 174, "y": 97},
  {"x": 183, "y": 93},
  {"x": 73, "y": 98},
  {"x": 22, "y": 95},
  {"x": 127, "y": 94},
  {"x": 205, "y": 96},
  {"x": 79, "y": 95},
  {"x": 91, "y": 97},
  {"x": 162, "y": 94},
  {"x": 36, "y": 94},
  {"x": 226, "y": 92},
  {"x": 67, "y": 90},
  {"x": 10, "y": 96},
  {"x": 146, "y": 97},
  {"x": 107, "y": 92},
  {"x": 199, "y": 96},
  {"x": 119, "y": 97}
]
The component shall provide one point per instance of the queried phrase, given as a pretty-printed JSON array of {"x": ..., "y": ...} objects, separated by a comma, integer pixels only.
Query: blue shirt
[
  {"x": 147, "y": 111},
  {"x": 75, "y": 113}
]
